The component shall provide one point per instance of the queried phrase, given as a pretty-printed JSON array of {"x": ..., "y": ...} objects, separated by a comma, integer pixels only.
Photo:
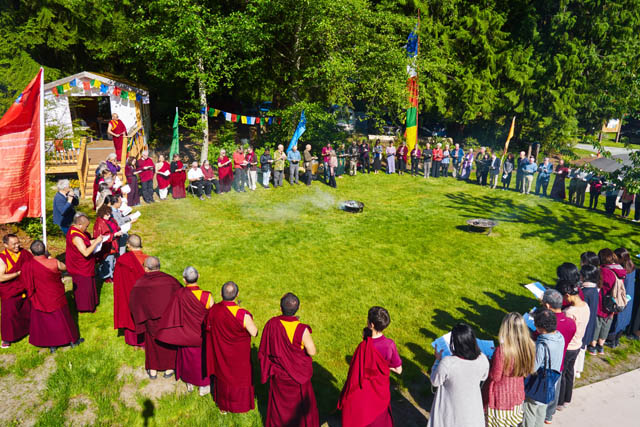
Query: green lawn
[{"x": 409, "y": 251}]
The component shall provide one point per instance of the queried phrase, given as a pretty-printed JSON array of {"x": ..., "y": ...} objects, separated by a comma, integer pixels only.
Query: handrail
[
  {"x": 83, "y": 166},
  {"x": 132, "y": 144}
]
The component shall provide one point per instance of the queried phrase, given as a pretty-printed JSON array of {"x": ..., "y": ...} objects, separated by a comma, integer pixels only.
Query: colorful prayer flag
[
  {"x": 86, "y": 85},
  {"x": 116, "y": 91},
  {"x": 104, "y": 89},
  {"x": 411, "y": 123},
  {"x": 234, "y": 118},
  {"x": 124, "y": 94},
  {"x": 95, "y": 83},
  {"x": 243, "y": 119},
  {"x": 55, "y": 91},
  {"x": 227, "y": 116},
  {"x": 257, "y": 120},
  {"x": 73, "y": 83},
  {"x": 67, "y": 87},
  {"x": 132, "y": 96}
]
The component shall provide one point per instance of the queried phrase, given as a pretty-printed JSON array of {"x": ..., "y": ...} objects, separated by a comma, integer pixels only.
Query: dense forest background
[{"x": 561, "y": 67}]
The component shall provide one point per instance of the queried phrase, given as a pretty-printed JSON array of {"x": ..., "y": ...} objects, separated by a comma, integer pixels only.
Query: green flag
[{"x": 175, "y": 142}]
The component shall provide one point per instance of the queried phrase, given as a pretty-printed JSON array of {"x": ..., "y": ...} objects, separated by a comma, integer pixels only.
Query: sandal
[{"x": 152, "y": 377}]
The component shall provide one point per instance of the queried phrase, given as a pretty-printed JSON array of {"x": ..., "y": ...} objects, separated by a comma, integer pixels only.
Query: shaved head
[
  {"x": 80, "y": 218},
  {"x": 152, "y": 263},
  {"x": 135, "y": 241},
  {"x": 37, "y": 248},
  {"x": 229, "y": 291},
  {"x": 289, "y": 304}
]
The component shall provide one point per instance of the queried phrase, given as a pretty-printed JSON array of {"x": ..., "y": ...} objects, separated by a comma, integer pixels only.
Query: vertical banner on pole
[
  {"x": 43, "y": 194},
  {"x": 21, "y": 148}
]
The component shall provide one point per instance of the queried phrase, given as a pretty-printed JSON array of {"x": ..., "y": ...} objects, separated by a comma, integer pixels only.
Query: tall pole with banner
[{"x": 43, "y": 196}]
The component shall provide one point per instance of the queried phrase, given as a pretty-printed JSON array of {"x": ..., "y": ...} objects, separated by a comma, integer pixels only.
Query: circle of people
[
  {"x": 208, "y": 345},
  {"x": 245, "y": 170}
]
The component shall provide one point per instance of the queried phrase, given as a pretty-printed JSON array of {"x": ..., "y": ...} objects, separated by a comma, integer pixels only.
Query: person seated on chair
[
  {"x": 210, "y": 178},
  {"x": 196, "y": 180}
]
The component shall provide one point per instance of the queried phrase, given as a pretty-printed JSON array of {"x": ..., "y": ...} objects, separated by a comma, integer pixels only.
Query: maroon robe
[
  {"x": 133, "y": 197},
  {"x": 102, "y": 227},
  {"x": 15, "y": 308},
  {"x": 126, "y": 273},
  {"x": 225, "y": 174},
  {"x": 183, "y": 326},
  {"x": 288, "y": 367},
  {"x": 366, "y": 396},
  {"x": 51, "y": 321},
  {"x": 118, "y": 127},
  {"x": 82, "y": 271},
  {"x": 148, "y": 300},
  {"x": 229, "y": 358},
  {"x": 177, "y": 179},
  {"x": 163, "y": 180}
]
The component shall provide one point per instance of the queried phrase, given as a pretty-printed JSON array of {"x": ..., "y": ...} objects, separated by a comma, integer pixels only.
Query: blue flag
[{"x": 302, "y": 126}]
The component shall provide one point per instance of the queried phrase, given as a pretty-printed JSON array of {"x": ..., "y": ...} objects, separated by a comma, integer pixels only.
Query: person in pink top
[
  {"x": 514, "y": 359},
  {"x": 402, "y": 152},
  {"x": 326, "y": 156},
  {"x": 609, "y": 270}
]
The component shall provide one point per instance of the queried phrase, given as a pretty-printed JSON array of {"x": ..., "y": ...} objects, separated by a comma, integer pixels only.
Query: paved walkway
[
  {"x": 614, "y": 402},
  {"x": 613, "y": 150}
]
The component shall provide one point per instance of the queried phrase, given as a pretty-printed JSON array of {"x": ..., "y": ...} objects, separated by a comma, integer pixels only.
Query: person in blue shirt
[
  {"x": 64, "y": 203},
  {"x": 544, "y": 175},
  {"x": 457, "y": 155},
  {"x": 527, "y": 175},
  {"x": 294, "y": 164}
]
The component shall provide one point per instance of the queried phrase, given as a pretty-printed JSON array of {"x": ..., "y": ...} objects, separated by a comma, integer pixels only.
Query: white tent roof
[{"x": 95, "y": 76}]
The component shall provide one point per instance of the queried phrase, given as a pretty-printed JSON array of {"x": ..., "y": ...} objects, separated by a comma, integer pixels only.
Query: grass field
[{"x": 409, "y": 251}]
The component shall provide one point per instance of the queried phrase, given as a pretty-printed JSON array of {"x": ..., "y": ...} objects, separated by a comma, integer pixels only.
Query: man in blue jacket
[
  {"x": 544, "y": 174},
  {"x": 64, "y": 203}
]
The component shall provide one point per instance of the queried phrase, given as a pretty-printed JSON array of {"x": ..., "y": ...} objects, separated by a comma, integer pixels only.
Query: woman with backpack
[
  {"x": 610, "y": 271},
  {"x": 513, "y": 360},
  {"x": 623, "y": 319}
]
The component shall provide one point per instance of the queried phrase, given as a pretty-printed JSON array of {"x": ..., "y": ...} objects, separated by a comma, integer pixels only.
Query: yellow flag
[
  {"x": 243, "y": 119},
  {"x": 132, "y": 96},
  {"x": 511, "y": 130},
  {"x": 216, "y": 112},
  {"x": 96, "y": 83},
  {"x": 67, "y": 87}
]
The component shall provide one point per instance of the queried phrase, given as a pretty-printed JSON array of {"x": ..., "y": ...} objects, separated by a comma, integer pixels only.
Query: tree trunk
[{"x": 202, "y": 93}]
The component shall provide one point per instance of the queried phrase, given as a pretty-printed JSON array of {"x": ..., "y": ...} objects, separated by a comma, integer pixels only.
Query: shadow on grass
[
  {"x": 572, "y": 225},
  {"x": 148, "y": 411}
]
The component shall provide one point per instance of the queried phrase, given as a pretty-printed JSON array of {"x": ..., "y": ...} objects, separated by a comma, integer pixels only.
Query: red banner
[{"x": 20, "y": 137}]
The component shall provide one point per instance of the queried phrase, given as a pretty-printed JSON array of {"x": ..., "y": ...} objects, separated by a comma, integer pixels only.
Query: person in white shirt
[{"x": 196, "y": 180}]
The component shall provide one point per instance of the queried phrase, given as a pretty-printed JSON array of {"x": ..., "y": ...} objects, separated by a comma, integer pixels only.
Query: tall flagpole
[{"x": 43, "y": 198}]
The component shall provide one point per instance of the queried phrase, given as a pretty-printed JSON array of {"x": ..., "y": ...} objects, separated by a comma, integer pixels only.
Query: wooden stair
[{"x": 97, "y": 151}]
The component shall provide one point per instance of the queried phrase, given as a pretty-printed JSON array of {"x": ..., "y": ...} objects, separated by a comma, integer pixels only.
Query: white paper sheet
[
  {"x": 125, "y": 189},
  {"x": 125, "y": 227},
  {"x": 135, "y": 215},
  {"x": 97, "y": 248},
  {"x": 126, "y": 210},
  {"x": 536, "y": 289}
]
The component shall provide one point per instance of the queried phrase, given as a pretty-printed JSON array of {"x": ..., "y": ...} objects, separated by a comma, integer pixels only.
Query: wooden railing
[
  {"x": 71, "y": 160},
  {"x": 135, "y": 145}
]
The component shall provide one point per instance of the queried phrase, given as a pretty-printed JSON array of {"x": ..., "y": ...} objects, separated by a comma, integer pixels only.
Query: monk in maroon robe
[
  {"x": 51, "y": 322},
  {"x": 229, "y": 332},
  {"x": 148, "y": 301},
  {"x": 126, "y": 273},
  {"x": 366, "y": 399},
  {"x": 117, "y": 130},
  {"x": 15, "y": 308},
  {"x": 178, "y": 177},
  {"x": 183, "y": 326},
  {"x": 81, "y": 263},
  {"x": 285, "y": 361},
  {"x": 163, "y": 172}
]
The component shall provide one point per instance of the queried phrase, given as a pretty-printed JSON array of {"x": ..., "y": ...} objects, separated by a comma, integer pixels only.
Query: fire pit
[
  {"x": 483, "y": 224},
  {"x": 352, "y": 206}
]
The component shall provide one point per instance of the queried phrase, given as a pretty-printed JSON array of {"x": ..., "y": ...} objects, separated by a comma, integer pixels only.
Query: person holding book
[{"x": 458, "y": 399}]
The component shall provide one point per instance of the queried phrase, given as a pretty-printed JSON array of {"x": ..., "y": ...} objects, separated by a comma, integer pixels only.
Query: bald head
[
  {"x": 134, "y": 241},
  {"x": 229, "y": 291},
  {"x": 152, "y": 263},
  {"x": 80, "y": 219}
]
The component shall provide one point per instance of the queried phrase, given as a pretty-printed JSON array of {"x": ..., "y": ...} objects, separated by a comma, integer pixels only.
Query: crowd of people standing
[{"x": 187, "y": 335}]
